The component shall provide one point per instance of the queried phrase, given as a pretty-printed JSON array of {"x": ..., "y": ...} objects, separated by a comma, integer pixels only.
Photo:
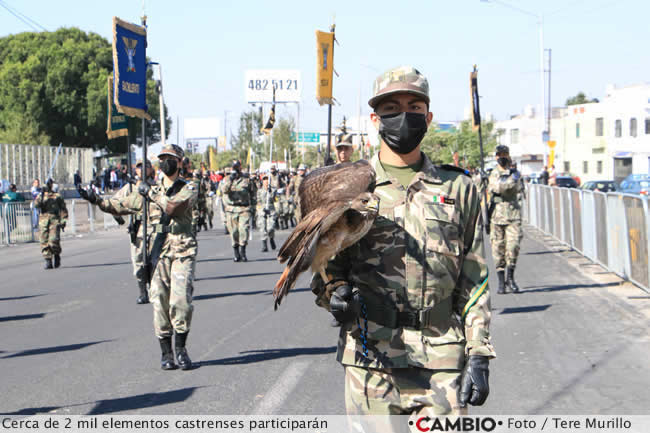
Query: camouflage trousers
[
  {"x": 136, "y": 258},
  {"x": 402, "y": 391},
  {"x": 50, "y": 236},
  {"x": 238, "y": 224},
  {"x": 266, "y": 224},
  {"x": 210, "y": 207},
  {"x": 170, "y": 293},
  {"x": 505, "y": 244}
]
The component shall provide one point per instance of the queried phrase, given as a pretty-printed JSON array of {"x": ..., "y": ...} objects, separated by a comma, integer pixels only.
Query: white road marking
[{"x": 282, "y": 388}]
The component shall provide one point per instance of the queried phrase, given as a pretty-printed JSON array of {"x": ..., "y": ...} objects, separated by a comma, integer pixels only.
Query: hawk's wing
[
  {"x": 300, "y": 248},
  {"x": 338, "y": 182}
]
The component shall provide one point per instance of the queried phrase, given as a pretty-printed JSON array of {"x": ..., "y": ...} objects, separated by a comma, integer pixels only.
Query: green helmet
[
  {"x": 399, "y": 80},
  {"x": 501, "y": 148}
]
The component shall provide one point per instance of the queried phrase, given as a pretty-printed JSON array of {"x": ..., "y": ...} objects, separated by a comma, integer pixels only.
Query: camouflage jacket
[
  {"x": 421, "y": 258},
  {"x": 237, "y": 194},
  {"x": 276, "y": 181},
  {"x": 265, "y": 199},
  {"x": 504, "y": 190},
  {"x": 130, "y": 203},
  {"x": 51, "y": 205}
]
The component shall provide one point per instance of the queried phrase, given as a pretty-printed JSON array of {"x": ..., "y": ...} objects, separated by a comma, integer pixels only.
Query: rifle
[
  {"x": 476, "y": 118},
  {"x": 134, "y": 225}
]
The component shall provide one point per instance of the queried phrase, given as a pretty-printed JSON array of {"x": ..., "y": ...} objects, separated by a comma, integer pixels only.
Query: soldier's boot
[
  {"x": 225, "y": 229},
  {"x": 502, "y": 282},
  {"x": 293, "y": 222},
  {"x": 183, "y": 359},
  {"x": 57, "y": 260},
  {"x": 265, "y": 248},
  {"x": 144, "y": 297},
  {"x": 237, "y": 257},
  {"x": 242, "y": 252},
  {"x": 205, "y": 226},
  {"x": 48, "y": 264},
  {"x": 272, "y": 241},
  {"x": 511, "y": 280},
  {"x": 210, "y": 221},
  {"x": 167, "y": 359}
]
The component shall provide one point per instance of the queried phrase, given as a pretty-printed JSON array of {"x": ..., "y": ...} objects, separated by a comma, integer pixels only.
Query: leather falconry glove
[
  {"x": 474, "y": 387},
  {"x": 344, "y": 304}
]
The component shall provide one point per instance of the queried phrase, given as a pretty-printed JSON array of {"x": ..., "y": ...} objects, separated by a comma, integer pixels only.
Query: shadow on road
[
  {"x": 534, "y": 253},
  {"x": 252, "y": 356},
  {"x": 225, "y": 277},
  {"x": 536, "y": 289},
  {"x": 529, "y": 309},
  {"x": 142, "y": 401},
  {"x": 222, "y": 295},
  {"x": 23, "y": 317},
  {"x": 98, "y": 265},
  {"x": 53, "y": 349},
  {"x": 33, "y": 410},
  {"x": 16, "y": 298},
  {"x": 220, "y": 259}
]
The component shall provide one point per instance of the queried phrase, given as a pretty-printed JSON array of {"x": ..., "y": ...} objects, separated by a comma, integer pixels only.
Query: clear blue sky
[{"x": 205, "y": 46}]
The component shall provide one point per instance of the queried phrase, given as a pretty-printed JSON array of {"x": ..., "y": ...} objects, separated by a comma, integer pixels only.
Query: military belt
[
  {"x": 389, "y": 317},
  {"x": 173, "y": 229},
  {"x": 498, "y": 199}
]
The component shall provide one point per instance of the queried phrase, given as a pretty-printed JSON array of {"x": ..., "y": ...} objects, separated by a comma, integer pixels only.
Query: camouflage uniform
[
  {"x": 291, "y": 204},
  {"x": 238, "y": 200},
  {"x": 266, "y": 215},
  {"x": 199, "y": 208},
  {"x": 505, "y": 221},
  {"x": 254, "y": 214},
  {"x": 296, "y": 197},
  {"x": 125, "y": 203},
  {"x": 209, "y": 200},
  {"x": 277, "y": 183},
  {"x": 423, "y": 283},
  {"x": 53, "y": 216},
  {"x": 172, "y": 282}
]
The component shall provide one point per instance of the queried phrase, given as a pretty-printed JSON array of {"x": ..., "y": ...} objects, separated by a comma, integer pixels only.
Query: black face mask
[
  {"x": 503, "y": 161},
  {"x": 169, "y": 166},
  {"x": 402, "y": 132}
]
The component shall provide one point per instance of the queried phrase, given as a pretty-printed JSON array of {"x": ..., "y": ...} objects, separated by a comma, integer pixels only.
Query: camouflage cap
[
  {"x": 173, "y": 150},
  {"x": 502, "y": 148},
  {"x": 302, "y": 167},
  {"x": 344, "y": 140},
  {"x": 402, "y": 79}
]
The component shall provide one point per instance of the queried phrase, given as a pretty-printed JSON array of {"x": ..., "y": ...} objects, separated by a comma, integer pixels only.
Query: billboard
[{"x": 258, "y": 85}]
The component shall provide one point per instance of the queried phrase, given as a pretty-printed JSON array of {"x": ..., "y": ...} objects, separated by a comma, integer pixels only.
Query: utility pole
[
  {"x": 550, "y": 110},
  {"x": 162, "y": 106}
]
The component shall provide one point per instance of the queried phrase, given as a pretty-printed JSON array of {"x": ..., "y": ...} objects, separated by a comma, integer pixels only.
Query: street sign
[
  {"x": 306, "y": 137},
  {"x": 259, "y": 85}
]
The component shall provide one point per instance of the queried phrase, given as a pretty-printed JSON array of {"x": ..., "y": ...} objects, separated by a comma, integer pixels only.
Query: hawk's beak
[{"x": 373, "y": 205}]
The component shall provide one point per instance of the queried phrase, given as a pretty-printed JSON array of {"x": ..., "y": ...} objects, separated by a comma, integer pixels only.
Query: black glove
[
  {"x": 267, "y": 211},
  {"x": 474, "y": 387},
  {"x": 344, "y": 304},
  {"x": 234, "y": 175},
  {"x": 144, "y": 189},
  {"x": 88, "y": 195},
  {"x": 119, "y": 220},
  {"x": 484, "y": 177}
]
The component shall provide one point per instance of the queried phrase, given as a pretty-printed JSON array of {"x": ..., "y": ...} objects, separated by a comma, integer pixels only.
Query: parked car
[
  {"x": 566, "y": 182},
  {"x": 575, "y": 177},
  {"x": 600, "y": 185},
  {"x": 637, "y": 185},
  {"x": 532, "y": 178}
]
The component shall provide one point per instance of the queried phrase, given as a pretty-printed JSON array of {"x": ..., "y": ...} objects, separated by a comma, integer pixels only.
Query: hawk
[{"x": 338, "y": 208}]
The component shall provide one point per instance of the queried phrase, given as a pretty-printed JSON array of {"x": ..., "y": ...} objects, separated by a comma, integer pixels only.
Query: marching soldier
[
  {"x": 238, "y": 200},
  {"x": 51, "y": 221},
  {"x": 125, "y": 203},
  {"x": 209, "y": 188},
  {"x": 412, "y": 295},
  {"x": 173, "y": 252},
  {"x": 344, "y": 148},
  {"x": 505, "y": 219},
  {"x": 276, "y": 182},
  {"x": 254, "y": 189},
  {"x": 266, "y": 213}
]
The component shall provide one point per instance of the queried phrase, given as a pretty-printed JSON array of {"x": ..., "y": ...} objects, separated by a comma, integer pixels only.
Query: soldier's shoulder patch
[{"x": 455, "y": 168}]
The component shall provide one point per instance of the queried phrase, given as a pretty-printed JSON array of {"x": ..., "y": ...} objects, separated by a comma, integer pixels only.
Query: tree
[
  {"x": 55, "y": 83},
  {"x": 440, "y": 146},
  {"x": 282, "y": 141},
  {"x": 580, "y": 98},
  {"x": 250, "y": 123}
]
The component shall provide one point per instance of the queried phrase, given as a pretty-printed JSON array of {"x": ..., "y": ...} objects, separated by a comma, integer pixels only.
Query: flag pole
[{"x": 328, "y": 158}]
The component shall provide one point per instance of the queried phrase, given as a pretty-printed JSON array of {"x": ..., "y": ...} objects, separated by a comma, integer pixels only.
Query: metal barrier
[
  {"x": 610, "y": 229},
  {"x": 19, "y": 220}
]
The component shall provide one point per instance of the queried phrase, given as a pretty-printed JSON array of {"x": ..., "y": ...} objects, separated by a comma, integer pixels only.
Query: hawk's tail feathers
[{"x": 279, "y": 291}]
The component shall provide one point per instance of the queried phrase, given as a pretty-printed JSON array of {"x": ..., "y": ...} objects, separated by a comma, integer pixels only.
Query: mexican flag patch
[{"x": 441, "y": 199}]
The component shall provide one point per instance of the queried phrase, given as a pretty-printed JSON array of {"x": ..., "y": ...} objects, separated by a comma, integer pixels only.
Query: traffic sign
[{"x": 306, "y": 137}]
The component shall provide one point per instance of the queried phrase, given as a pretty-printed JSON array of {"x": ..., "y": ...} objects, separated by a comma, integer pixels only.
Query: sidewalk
[{"x": 574, "y": 341}]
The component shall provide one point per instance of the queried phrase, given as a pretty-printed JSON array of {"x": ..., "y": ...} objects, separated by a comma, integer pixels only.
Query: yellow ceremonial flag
[
  {"x": 213, "y": 159},
  {"x": 325, "y": 67},
  {"x": 222, "y": 143},
  {"x": 551, "y": 157},
  {"x": 248, "y": 158}
]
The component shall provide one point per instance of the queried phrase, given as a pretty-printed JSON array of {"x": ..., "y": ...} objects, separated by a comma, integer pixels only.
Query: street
[{"x": 75, "y": 342}]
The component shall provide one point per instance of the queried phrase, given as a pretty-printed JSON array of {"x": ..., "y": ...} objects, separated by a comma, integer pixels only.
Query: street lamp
[{"x": 540, "y": 23}]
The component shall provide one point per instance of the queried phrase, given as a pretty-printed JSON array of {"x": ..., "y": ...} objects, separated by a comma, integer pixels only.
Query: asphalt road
[{"x": 75, "y": 342}]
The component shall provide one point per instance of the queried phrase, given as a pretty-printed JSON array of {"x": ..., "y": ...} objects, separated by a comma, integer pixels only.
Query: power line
[{"x": 22, "y": 17}]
